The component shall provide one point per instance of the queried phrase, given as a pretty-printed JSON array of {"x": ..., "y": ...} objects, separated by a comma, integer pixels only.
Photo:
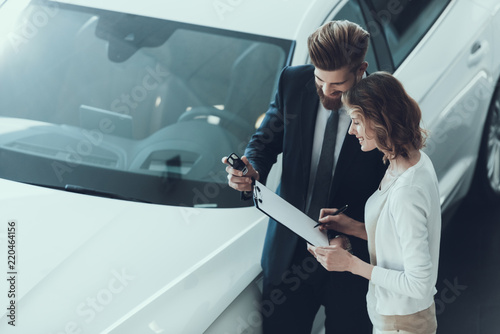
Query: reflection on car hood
[{"x": 105, "y": 265}]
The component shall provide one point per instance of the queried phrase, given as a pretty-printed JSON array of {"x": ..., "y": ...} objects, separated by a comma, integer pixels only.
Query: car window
[
  {"x": 352, "y": 12},
  {"x": 405, "y": 22},
  {"x": 136, "y": 107}
]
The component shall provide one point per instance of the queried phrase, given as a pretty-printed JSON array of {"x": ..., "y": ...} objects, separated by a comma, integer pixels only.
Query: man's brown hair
[
  {"x": 386, "y": 108},
  {"x": 337, "y": 44}
]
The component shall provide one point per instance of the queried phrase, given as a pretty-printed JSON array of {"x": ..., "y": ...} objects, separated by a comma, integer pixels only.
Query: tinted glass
[
  {"x": 352, "y": 12},
  {"x": 130, "y": 106},
  {"x": 405, "y": 22}
]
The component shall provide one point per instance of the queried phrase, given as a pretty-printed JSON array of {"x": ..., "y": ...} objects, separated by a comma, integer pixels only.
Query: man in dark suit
[{"x": 295, "y": 286}]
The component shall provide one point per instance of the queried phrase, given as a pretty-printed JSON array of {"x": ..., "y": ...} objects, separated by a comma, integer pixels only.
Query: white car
[{"x": 115, "y": 215}]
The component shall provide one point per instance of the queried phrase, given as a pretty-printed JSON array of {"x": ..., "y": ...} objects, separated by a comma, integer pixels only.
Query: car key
[{"x": 234, "y": 160}]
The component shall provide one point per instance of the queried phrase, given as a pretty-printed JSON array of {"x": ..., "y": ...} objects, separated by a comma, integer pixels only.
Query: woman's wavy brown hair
[{"x": 389, "y": 111}]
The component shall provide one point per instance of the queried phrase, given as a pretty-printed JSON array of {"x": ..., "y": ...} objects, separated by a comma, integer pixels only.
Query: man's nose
[{"x": 326, "y": 91}]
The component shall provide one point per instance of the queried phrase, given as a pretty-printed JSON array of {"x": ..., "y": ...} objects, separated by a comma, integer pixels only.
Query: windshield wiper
[
  {"x": 88, "y": 191},
  {"x": 93, "y": 192}
]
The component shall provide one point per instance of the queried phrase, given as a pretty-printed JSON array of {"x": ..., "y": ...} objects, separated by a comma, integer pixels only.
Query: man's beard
[{"x": 330, "y": 103}]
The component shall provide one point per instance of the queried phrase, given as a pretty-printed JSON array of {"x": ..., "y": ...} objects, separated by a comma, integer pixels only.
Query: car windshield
[{"x": 130, "y": 107}]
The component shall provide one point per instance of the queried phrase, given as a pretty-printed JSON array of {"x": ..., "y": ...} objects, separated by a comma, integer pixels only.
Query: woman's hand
[
  {"x": 334, "y": 257},
  {"x": 341, "y": 223},
  {"x": 311, "y": 249},
  {"x": 337, "y": 242}
]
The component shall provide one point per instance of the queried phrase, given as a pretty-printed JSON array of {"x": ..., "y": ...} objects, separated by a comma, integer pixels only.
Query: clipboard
[{"x": 286, "y": 214}]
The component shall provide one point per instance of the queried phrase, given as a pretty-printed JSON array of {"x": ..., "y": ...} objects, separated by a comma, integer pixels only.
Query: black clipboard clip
[{"x": 257, "y": 194}]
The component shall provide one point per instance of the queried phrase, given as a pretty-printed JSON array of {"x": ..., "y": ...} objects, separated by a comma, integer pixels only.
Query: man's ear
[{"x": 362, "y": 68}]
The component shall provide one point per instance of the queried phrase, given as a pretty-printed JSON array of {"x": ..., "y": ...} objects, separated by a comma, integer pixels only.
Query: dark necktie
[{"x": 324, "y": 172}]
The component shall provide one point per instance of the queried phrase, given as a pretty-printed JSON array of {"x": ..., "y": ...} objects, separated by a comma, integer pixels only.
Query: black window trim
[{"x": 381, "y": 45}]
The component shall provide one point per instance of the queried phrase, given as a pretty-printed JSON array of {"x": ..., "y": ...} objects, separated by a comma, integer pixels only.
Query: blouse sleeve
[{"x": 409, "y": 209}]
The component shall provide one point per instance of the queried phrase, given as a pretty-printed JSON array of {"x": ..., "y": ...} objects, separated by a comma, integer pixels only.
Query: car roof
[{"x": 276, "y": 18}]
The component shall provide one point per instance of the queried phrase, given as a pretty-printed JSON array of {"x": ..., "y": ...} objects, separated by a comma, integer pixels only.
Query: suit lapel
[{"x": 308, "y": 113}]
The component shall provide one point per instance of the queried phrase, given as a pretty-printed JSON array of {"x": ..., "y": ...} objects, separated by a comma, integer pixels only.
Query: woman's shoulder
[
  {"x": 418, "y": 175},
  {"x": 418, "y": 184}
]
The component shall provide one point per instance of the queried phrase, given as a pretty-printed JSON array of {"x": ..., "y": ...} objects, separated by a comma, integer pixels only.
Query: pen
[{"x": 338, "y": 212}]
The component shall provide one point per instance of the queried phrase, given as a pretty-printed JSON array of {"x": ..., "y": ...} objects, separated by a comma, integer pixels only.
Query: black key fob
[{"x": 234, "y": 160}]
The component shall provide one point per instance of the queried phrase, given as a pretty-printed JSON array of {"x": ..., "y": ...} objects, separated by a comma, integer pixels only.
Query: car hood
[{"x": 89, "y": 265}]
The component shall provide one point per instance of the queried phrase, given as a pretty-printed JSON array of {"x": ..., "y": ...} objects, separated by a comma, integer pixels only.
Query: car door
[{"x": 440, "y": 50}]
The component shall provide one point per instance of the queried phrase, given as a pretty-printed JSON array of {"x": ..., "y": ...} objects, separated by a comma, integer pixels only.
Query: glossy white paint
[
  {"x": 453, "y": 88},
  {"x": 101, "y": 265}
]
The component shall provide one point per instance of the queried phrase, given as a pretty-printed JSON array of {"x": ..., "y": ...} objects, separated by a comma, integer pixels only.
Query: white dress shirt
[{"x": 319, "y": 133}]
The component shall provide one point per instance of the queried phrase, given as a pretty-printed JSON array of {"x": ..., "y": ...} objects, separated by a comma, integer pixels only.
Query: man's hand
[{"x": 236, "y": 179}]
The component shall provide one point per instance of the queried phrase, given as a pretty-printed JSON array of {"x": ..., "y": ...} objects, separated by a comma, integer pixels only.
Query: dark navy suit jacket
[{"x": 288, "y": 128}]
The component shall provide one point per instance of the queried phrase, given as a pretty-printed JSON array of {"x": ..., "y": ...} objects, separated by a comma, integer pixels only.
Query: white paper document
[{"x": 284, "y": 213}]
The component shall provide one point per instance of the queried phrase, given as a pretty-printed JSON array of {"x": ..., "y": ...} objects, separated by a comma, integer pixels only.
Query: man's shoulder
[
  {"x": 299, "y": 71},
  {"x": 296, "y": 77}
]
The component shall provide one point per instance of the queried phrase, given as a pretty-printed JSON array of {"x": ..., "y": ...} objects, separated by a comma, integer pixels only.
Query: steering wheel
[{"x": 229, "y": 120}]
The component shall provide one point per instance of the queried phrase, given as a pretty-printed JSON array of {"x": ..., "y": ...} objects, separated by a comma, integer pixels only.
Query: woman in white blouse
[{"x": 402, "y": 218}]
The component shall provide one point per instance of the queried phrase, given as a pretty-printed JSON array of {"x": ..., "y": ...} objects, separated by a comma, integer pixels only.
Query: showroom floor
[{"x": 468, "y": 298}]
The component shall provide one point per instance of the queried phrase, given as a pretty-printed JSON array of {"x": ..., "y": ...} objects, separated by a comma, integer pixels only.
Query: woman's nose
[{"x": 351, "y": 129}]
